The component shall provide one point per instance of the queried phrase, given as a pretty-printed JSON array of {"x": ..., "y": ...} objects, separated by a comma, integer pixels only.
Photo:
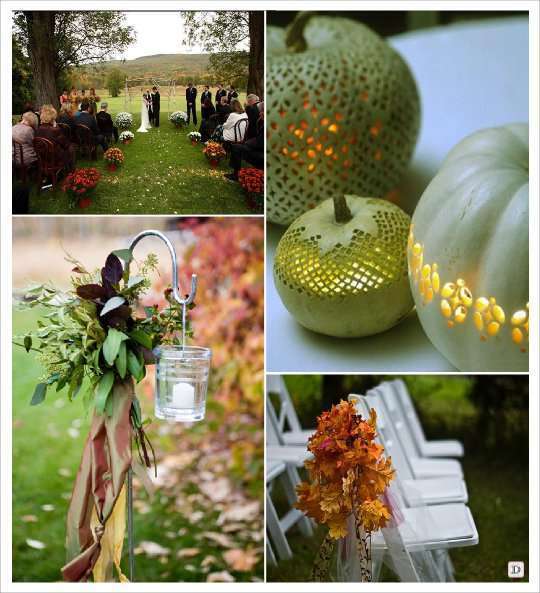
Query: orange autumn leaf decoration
[{"x": 348, "y": 472}]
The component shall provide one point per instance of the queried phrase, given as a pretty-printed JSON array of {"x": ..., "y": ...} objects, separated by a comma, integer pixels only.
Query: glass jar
[{"x": 182, "y": 380}]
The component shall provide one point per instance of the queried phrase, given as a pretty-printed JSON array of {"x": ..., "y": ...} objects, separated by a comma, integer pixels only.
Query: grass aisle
[{"x": 162, "y": 174}]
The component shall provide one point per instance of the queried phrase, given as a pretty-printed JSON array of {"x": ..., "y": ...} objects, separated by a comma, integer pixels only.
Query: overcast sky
[{"x": 157, "y": 33}]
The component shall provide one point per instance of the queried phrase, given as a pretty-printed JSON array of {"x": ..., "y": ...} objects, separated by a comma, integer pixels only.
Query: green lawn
[
  {"x": 162, "y": 174},
  {"x": 47, "y": 445}
]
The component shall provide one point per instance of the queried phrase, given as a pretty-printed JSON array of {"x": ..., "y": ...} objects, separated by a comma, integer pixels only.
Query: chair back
[
  {"x": 65, "y": 129},
  {"x": 84, "y": 135},
  {"x": 45, "y": 151},
  {"x": 240, "y": 129},
  {"x": 287, "y": 413},
  {"x": 399, "y": 421},
  {"x": 405, "y": 401}
]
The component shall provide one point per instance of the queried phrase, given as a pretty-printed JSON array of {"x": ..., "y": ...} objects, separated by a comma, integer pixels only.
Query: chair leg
[
  {"x": 279, "y": 539},
  {"x": 289, "y": 480},
  {"x": 270, "y": 556}
]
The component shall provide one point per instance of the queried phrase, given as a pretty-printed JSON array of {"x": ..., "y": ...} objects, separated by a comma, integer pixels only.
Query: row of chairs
[
  {"x": 429, "y": 486},
  {"x": 48, "y": 164}
]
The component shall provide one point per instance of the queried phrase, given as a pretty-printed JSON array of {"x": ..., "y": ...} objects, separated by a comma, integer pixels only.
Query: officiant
[{"x": 156, "y": 103}]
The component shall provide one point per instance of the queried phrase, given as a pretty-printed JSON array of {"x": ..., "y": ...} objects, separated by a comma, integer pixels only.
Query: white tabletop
[{"x": 470, "y": 77}]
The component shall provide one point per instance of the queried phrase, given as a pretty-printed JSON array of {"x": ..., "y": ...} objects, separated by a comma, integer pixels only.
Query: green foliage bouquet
[{"x": 96, "y": 331}]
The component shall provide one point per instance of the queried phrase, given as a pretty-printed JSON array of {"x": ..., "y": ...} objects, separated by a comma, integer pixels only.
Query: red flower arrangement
[
  {"x": 79, "y": 183},
  {"x": 252, "y": 180},
  {"x": 214, "y": 152},
  {"x": 114, "y": 157}
]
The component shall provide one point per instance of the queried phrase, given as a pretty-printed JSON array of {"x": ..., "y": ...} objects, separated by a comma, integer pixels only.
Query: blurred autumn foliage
[{"x": 228, "y": 257}]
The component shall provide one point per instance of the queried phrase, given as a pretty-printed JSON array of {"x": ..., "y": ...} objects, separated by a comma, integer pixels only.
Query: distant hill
[{"x": 161, "y": 65}]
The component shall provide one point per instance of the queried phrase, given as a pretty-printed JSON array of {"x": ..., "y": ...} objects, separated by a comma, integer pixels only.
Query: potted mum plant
[
  {"x": 123, "y": 120},
  {"x": 214, "y": 152},
  {"x": 195, "y": 137},
  {"x": 114, "y": 158},
  {"x": 252, "y": 181},
  {"x": 178, "y": 118},
  {"x": 126, "y": 137},
  {"x": 79, "y": 185}
]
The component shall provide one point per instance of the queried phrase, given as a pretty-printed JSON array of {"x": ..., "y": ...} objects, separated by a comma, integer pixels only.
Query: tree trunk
[
  {"x": 256, "y": 54},
  {"x": 42, "y": 53}
]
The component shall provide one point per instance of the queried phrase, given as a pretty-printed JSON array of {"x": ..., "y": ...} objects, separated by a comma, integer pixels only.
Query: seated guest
[
  {"x": 89, "y": 121},
  {"x": 230, "y": 134},
  {"x": 48, "y": 129},
  {"x": 207, "y": 109},
  {"x": 29, "y": 108},
  {"x": 251, "y": 151},
  {"x": 105, "y": 123},
  {"x": 253, "y": 114},
  {"x": 223, "y": 109},
  {"x": 24, "y": 133},
  {"x": 66, "y": 117}
]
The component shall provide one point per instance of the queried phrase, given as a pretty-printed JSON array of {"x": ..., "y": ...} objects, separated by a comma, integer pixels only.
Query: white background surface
[{"x": 470, "y": 77}]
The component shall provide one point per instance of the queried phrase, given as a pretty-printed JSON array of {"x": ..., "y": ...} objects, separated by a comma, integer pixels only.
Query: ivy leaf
[
  {"x": 111, "y": 304},
  {"x": 111, "y": 345},
  {"x": 126, "y": 255},
  {"x": 113, "y": 269},
  {"x": 90, "y": 292},
  {"x": 142, "y": 338},
  {"x": 39, "y": 394},
  {"x": 103, "y": 389},
  {"x": 134, "y": 366},
  {"x": 27, "y": 343},
  {"x": 121, "y": 360}
]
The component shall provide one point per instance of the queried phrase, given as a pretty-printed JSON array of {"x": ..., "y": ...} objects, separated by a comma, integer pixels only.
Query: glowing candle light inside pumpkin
[{"x": 183, "y": 395}]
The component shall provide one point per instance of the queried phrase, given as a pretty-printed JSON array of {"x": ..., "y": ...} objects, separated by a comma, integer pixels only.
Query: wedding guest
[
  {"x": 230, "y": 133},
  {"x": 66, "y": 117},
  {"x": 252, "y": 112},
  {"x": 191, "y": 96},
  {"x": 24, "y": 133},
  {"x": 105, "y": 123},
  {"x": 223, "y": 109},
  {"x": 251, "y": 151},
  {"x": 232, "y": 94},
  {"x": 207, "y": 109},
  {"x": 206, "y": 95},
  {"x": 29, "y": 108},
  {"x": 221, "y": 92},
  {"x": 89, "y": 121},
  {"x": 64, "y": 97},
  {"x": 48, "y": 129},
  {"x": 156, "y": 105}
]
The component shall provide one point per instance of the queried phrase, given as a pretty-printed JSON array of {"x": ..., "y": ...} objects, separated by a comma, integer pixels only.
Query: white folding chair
[
  {"x": 289, "y": 426},
  {"x": 421, "y": 467},
  {"x": 425, "y": 448},
  {"x": 431, "y": 528}
]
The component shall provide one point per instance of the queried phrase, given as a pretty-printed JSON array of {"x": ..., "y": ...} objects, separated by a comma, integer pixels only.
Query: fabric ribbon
[{"x": 97, "y": 498}]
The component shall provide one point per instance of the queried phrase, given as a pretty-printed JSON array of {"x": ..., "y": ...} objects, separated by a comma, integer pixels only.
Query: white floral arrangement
[
  {"x": 126, "y": 137},
  {"x": 178, "y": 118},
  {"x": 194, "y": 136},
  {"x": 124, "y": 120}
]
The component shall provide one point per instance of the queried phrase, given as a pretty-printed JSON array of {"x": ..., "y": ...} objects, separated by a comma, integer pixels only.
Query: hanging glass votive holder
[{"x": 181, "y": 382}]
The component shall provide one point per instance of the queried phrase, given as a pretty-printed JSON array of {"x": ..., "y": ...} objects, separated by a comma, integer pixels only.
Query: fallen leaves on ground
[
  {"x": 152, "y": 549},
  {"x": 241, "y": 560},
  {"x": 36, "y": 544}
]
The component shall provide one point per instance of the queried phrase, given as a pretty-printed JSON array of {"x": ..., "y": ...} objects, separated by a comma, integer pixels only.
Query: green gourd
[
  {"x": 341, "y": 268},
  {"x": 343, "y": 114},
  {"x": 468, "y": 252}
]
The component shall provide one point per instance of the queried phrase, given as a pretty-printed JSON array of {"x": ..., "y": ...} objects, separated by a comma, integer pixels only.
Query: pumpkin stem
[
  {"x": 341, "y": 210},
  {"x": 295, "y": 32}
]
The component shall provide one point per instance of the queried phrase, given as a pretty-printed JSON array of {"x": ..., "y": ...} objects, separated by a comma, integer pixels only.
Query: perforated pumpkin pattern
[{"x": 343, "y": 116}]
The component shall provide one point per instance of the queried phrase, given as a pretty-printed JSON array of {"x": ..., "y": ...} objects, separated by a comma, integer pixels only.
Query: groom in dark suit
[
  {"x": 191, "y": 97},
  {"x": 156, "y": 99}
]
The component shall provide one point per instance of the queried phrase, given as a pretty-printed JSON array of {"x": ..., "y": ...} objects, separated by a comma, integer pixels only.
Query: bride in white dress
[{"x": 145, "y": 120}]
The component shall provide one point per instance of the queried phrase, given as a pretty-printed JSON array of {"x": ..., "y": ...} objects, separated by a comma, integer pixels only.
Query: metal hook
[{"x": 191, "y": 296}]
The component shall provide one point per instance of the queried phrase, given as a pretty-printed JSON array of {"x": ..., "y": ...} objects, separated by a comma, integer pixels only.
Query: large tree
[
  {"x": 58, "y": 40},
  {"x": 236, "y": 41}
]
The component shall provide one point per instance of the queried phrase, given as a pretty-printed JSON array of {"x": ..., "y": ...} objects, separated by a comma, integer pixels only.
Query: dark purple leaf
[
  {"x": 113, "y": 269},
  {"x": 91, "y": 291},
  {"x": 148, "y": 355}
]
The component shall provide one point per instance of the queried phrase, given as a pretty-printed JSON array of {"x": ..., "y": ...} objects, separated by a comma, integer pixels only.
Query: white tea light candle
[{"x": 183, "y": 395}]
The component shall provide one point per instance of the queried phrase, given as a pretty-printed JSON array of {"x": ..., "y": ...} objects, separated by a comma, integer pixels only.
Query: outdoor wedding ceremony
[{"x": 138, "y": 112}]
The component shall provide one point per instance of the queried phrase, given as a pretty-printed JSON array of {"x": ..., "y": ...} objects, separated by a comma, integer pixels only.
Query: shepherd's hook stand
[{"x": 184, "y": 302}]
